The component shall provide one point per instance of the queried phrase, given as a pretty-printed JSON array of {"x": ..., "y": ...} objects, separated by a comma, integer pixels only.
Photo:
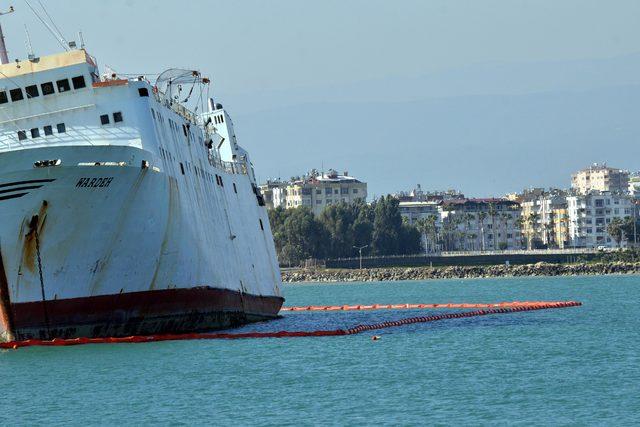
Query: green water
[{"x": 572, "y": 366}]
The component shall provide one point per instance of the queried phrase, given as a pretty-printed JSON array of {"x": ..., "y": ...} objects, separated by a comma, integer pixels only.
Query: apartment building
[
  {"x": 590, "y": 214},
  {"x": 319, "y": 190},
  {"x": 600, "y": 177}
]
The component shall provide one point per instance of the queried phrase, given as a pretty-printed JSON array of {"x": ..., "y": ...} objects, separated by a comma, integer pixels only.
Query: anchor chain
[{"x": 44, "y": 299}]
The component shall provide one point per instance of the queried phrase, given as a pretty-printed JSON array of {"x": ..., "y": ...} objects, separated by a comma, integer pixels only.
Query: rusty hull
[{"x": 198, "y": 309}]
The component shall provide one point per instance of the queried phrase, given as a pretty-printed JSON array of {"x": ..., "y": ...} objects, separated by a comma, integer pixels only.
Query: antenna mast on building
[{"x": 4, "y": 57}]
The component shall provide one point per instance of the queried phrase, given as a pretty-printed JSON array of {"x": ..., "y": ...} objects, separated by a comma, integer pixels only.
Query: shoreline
[{"x": 540, "y": 269}]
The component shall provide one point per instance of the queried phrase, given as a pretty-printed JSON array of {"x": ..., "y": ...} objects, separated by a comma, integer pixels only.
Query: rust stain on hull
[
  {"x": 29, "y": 247},
  {"x": 6, "y": 315}
]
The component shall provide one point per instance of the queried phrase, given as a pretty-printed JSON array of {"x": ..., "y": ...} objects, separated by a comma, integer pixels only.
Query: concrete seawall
[{"x": 452, "y": 272}]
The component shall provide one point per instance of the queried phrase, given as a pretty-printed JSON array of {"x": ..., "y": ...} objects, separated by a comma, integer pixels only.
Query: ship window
[
  {"x": 48, "y": 130},
  {"x": 61, "y": 128},
  {"x": 182, "y": 168},
  {"x": 184, "y": 129},
  {"x": 3, "y": 97},
  {"x": 104, "y": 119},
  {"x": 143, "y": 91},
  {"x": 35, "y": 133},
  {"x": 16, "y": 94},
  {"x": 22, "y": 135},
  {"x": 221, "y": 119},
  {"x": 47, "y": 88},
  {"x": 78, "y": 82},
  {"x": 32, "y": 91},
  {"x": 261, "y": 225},
  {"x": 117, "y": 117},
  {"x": 63, "y": 85},
  {"x": 234, "y": 188}
]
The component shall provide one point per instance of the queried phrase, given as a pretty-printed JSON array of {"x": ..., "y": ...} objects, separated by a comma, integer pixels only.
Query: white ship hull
[{"x": 115, "y": 250}]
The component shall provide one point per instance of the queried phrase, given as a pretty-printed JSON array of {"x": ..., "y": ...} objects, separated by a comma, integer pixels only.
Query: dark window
[
  {"x": 3, "y": 97},
  {"x": 234, "y": 188},
  {"x": 104, "y": 119},
  {"x": 35, "y": 133},
  {"x": 22, "y": 135},
  {"x": 182, "y": 168},
  {"x": 184, "y": 129},
  {"x": 61, "y": 128},
  {"x": 117, "y": 117},
  {"x": 261, "y": 225},
  {"x": 47, "y": 88},
  {"x": 143, "y": 91},
  {"x": 16, "y": 94},
  {"x": 63, "y": 85},
  {"x": 32, "y": 91},
  {"x": 78, "y": 82},
  {"x": 48, "y": 130},
  {"x": 221, "y": 119}
]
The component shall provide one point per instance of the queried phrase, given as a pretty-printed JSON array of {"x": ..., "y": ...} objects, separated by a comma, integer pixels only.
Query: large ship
[{"x": 127, "y": 206}]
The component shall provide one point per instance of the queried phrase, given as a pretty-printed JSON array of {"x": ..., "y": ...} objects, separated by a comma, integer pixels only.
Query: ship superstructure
[{"x": 122, "y": 211}]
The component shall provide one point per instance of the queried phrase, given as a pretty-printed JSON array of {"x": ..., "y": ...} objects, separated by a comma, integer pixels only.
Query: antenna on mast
[
  {"x": 4, "y": 57},
  {"x": 30, "y": 53}
]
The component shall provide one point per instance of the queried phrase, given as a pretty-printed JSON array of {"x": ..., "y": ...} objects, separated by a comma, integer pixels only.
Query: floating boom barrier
[
  {"x": 486, "y": 309},
  {"x": 420, "y": 306}
]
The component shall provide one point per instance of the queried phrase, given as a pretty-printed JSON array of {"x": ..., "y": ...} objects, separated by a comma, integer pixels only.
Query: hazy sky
[{"x": 264, "y": 55}]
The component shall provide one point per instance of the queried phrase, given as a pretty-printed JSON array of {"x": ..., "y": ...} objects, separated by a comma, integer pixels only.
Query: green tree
[
  {"x": 616, "y": 230},
  {"x": 630, "y": 229},
  {"x": 298, "y": 235},
  {"x": 338, "y": 221},
  {"x": 387, "y": 226}
]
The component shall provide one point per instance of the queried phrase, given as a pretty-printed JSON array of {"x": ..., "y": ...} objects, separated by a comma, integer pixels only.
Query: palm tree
[
  {"x": 427, "y": 226},
  {"x": 481, "y": 217},
  {"x": 532, "y": 220},
  {"x": 467, "y": 225},
  {"x": 493, "y": 213},
  {"x": 505, "y": 227},
  {"x": 520, "y": 222},
  {"x": 473, "y": 237}
]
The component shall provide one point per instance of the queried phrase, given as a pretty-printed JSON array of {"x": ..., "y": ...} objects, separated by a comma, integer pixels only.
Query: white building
[
  {"x": 315, "y": 190},
  {"x": 413, "y": 211},
  {"x": 600, "y": 177},
  {"x": 589, "y": 216}
]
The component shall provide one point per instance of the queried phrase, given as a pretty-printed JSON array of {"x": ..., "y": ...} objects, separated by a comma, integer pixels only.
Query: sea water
[{"x": 571, "y": 366}]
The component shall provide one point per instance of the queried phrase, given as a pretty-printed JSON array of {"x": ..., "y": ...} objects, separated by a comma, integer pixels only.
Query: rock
[{"x": 451, "y": 272}]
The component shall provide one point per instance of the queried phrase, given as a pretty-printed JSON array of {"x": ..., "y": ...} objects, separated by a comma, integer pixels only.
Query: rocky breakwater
[{"x": 458, "y": 272}]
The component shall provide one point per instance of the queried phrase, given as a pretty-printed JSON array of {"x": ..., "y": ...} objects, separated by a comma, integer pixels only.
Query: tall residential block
[{"x": 600, "y": 177}]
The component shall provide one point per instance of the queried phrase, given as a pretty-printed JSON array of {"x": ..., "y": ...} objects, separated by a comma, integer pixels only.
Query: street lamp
[{"x": 360, "y": 248}]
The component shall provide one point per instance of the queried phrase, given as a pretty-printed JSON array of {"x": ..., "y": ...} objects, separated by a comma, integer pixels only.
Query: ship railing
[
  {"x": 178, "y": 108},
  {"x": 235, "y": 168}
]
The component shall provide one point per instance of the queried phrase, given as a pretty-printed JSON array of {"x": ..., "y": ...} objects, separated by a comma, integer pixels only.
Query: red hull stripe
[{"x": 142, "y": 305}]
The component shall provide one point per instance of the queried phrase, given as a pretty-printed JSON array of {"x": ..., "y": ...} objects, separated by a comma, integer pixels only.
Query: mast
[{"x": 4, "y": 57}]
